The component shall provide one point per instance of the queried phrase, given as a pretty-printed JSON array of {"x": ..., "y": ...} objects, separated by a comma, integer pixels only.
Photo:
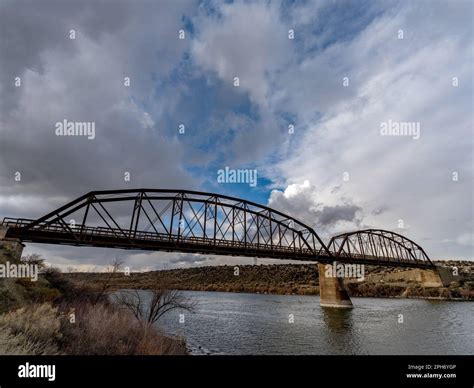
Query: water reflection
[
  {"x": 338, "y": 320},
  {"x": 340, "y": 332}
]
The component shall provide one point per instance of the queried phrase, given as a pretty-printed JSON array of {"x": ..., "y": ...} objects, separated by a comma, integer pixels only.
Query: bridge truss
[{"x": 206, "y": 223}]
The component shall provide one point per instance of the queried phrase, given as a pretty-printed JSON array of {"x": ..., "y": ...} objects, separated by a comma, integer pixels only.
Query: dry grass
[
  {"x": 34, "y": 329},
  {"x": 20, "y": 345},
  {"x": 106, "y": 330},
  {"x": 98, "y": 329}
]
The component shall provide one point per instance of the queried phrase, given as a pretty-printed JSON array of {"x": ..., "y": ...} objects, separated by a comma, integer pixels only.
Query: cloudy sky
[{"x": 317, "y": 80}]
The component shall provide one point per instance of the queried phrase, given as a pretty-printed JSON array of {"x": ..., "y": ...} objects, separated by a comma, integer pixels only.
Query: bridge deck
[{"x": 81, "y": 235}]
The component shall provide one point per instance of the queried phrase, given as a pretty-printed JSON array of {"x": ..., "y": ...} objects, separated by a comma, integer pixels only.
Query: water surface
[{"x": 233, "y": 323}]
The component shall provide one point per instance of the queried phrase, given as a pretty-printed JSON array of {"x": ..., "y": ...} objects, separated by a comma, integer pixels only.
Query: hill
[{"x": 300, "y": 279}]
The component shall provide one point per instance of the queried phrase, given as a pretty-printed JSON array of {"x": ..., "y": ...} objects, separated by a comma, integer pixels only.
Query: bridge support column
[{"x": 332, "y": 292}]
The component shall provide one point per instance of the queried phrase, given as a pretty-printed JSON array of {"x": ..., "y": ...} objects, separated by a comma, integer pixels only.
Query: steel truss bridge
[{"x": 206, "y": 223}]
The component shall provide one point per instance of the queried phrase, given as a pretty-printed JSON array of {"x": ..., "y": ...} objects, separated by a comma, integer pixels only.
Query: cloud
[
  {"x": 245, "y": 40},
  {"x": 336, "y": 170},
  {"x": 82, "y": 79},
  {"x": 303, "y": 202},
  {"x": 249, "y": 41},
  {"x": 331, "y": 214},
  {"x": 406, "y": 80}
]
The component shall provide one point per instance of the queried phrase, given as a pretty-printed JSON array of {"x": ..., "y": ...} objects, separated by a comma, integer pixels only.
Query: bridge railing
[
  {"x": 87, "y": 235},
  {"x": 82, "y": 233},
  {"x": 375, "y": 259},
  {"x": 15, "y": 222}
]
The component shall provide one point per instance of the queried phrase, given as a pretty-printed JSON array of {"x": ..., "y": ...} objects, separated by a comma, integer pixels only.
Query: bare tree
[
  {"x": 33, "y": 259},
  {"x": 162, "y": 301},
  {"x": 105, "y": 282}
]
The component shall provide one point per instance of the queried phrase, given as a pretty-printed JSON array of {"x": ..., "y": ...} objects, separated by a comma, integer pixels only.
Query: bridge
[{"x": 206, "y": 223}]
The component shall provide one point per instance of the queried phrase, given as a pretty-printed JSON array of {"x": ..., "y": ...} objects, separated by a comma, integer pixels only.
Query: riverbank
[
  {"x": 290, "y": 279},
  {"x": 55, "y": 316}
]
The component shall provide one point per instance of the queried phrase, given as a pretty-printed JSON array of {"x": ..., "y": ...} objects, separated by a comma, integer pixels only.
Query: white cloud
[
  {"x": 247, "y": 40},
  {"x": 305, "y": 202},
  {"x": 295, "y": 189},
  {"x": 404, "y": 80}
]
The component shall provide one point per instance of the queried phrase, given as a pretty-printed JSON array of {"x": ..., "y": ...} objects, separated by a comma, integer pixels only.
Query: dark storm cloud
[
  {"x": 329, "y": 215},
  {"x": 82, "y": 80},
  {"x": 29, "y": 28},
  {"x": 301, "y": 202}
]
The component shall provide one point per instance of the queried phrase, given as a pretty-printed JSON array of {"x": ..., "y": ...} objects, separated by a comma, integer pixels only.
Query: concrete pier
[{"x": 332, "y": 291}]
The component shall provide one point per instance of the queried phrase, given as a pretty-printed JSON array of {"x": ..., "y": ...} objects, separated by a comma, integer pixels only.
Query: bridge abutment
[
  {"x": 436, "y": 277},
  {"x": 429, "y": 278},
  {"x": 10, "y": 248},
  {"x": 332, "y": 292}
]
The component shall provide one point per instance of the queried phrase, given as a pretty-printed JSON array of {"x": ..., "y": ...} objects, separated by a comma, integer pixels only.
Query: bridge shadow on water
[{"x": 341, "y": 330}]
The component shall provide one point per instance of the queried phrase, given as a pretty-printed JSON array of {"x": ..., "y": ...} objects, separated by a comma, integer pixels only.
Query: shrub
[
  {"x": 73, "y": 292},
  {"x": 35, "y": 327},
  {"x": 19, "y": 345},
  {"x": 7, "y": 300},
  {"x": 445, "y": 293},
  {"x": 107, "y": 330},
  {"x": 45, "y": 295}
]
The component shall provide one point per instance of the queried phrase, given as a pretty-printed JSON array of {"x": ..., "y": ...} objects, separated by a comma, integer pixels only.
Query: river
[{"x": 239, "y": 324}]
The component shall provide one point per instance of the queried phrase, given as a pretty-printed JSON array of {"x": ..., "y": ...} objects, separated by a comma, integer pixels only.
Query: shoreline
[
  {"x": 286, "y": 279},
  {"x": 309, "y": 295}
]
